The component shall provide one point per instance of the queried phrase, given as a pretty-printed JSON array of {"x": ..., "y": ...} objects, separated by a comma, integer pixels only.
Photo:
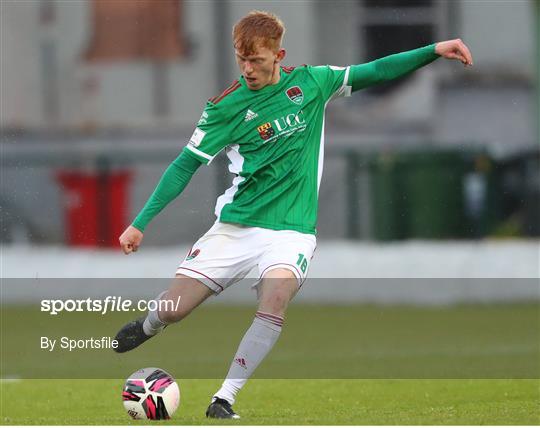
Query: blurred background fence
[
  {"x": 98, "y": 96},
  {"x": 86, "y": 195}
]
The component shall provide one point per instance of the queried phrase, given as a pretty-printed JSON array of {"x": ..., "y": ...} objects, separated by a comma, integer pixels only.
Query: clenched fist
[
  {"x": 130, "y": 240},
  {"x": 455, "y": 49}
]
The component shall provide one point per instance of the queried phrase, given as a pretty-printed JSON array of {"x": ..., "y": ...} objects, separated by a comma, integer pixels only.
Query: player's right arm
[
  {"x": 172, "y": 183},
  {"x": 209, "y": 137}
]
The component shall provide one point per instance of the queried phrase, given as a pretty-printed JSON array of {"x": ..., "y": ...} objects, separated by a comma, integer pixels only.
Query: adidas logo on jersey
[{"x": 250, "y": 115}]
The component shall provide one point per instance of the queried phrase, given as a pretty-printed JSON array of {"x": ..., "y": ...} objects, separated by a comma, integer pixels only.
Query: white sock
[
  {"x": 152, "y": 325},
  {"x": 255, "y": 345}
]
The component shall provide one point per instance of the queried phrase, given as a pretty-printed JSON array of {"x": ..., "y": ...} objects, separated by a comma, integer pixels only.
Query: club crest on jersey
[
  {"x": 266, "y": 131},
  {"x": 295, "y": 94},
  {"x": 193, "y": 254}
]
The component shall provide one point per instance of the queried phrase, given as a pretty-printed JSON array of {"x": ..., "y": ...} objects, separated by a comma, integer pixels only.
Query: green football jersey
[{"x": 274, "y": 139}]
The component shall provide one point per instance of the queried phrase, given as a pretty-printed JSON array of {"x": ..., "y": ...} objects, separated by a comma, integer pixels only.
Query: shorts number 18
[{"x": 302, "y": 262}]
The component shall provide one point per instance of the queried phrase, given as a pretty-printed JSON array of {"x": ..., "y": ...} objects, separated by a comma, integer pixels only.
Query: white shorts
[{"x": 228, "y": 252}]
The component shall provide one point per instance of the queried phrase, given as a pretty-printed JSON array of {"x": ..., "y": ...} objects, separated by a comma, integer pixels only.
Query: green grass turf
[
  {"x": 318, "y": 342},
  {"x": 332, "y": 365},
  {"x": 290, "y": 402}
]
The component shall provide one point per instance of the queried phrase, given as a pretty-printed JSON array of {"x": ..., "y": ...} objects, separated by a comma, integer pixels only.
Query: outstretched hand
[
  {"x": 455, "y": 49},
  {"x": 130, "y": 240}
]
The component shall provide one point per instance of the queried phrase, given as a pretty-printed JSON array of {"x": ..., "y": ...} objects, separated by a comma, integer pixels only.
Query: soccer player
[{"x": 270, "y": 122}]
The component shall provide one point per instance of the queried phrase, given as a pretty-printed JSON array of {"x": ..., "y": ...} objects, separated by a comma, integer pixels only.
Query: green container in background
[
  {"x": 419, "y": 194},
  {"x": 484, "y": 215},
  {"x": 433, "y": 188},
  {"x": 387, "y": 203}
]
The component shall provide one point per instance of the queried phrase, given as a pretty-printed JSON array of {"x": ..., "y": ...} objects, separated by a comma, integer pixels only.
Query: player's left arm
[{"x": 394, "y": 66}]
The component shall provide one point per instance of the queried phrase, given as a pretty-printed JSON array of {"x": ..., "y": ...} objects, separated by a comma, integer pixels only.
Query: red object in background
[{"x": 95, "y": 207}]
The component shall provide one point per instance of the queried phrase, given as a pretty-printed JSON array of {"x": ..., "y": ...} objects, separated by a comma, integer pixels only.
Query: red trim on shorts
[{"x": 200, "y": 273}]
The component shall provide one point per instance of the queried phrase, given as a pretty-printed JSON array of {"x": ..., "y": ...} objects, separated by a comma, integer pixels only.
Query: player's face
[{"x": 261, "y": 68}]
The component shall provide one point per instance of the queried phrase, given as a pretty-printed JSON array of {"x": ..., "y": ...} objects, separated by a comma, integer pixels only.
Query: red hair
[{"x": 258, "y": 28}]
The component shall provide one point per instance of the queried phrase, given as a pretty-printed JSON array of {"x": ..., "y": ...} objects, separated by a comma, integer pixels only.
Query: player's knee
[{"x": 278, "y": 288}]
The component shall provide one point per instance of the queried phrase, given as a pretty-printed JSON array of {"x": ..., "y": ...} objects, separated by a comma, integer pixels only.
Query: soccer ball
[{"x": 151, "y": 393}]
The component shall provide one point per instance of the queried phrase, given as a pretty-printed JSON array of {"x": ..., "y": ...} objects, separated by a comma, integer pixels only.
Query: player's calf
[{"x": 185, "y": 294}]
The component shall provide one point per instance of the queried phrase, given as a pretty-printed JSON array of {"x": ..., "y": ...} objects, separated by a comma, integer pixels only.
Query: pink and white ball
[{"x": 151, "y": 393}]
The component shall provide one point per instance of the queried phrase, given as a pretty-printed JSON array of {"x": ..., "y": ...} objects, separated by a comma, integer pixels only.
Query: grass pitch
[
  {"x": 352, "y": 365},
  {"x": 287, "y": 402}
]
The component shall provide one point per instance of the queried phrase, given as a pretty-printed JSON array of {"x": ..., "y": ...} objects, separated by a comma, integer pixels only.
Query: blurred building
[
  {"x": 134, "y": 77},
  {"x": 102, "y": 64}
]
